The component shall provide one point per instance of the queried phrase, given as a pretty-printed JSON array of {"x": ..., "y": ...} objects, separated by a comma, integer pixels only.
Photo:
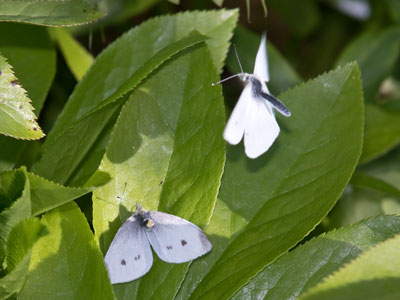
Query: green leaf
[
  {"x": 21, "y": 239},
  {"x": 66, "y": 263},
  {"x": 49, "y": 13},
  {"x": 16, "y": 111},
  {"x": 387, "y": 168},
  {"x": 19, "y": 244},
  {"x": 77, "y": 57},
  {"x": 271, "y": 203},
  {"x": 30, "y": 51},
  {"x": 382, "y": 132},
  {"x": 373, "y": 191},
  {"x": 355, "y": 204},
  {"x": 29, "y": 195},
  {"x": 366, "y": 49},
  {"x": 13, "y": 282},
  {"x": 304, "y": 267},
  {"x": 283, "y": 76},
  {"x": 120, "y": 68},
  {"x": 375, "y": 274},
  {"x": 362, "y": 180},
  {"x": 180, "y": 124}
]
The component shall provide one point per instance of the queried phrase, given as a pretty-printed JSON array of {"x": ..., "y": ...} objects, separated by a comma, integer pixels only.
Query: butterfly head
[
  {"x": 244, "y": 76},
  {"x": 144, "y": 217}
]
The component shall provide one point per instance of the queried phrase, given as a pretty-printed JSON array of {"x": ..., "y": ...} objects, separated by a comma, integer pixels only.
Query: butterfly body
[{"x": 174, "y": 239}]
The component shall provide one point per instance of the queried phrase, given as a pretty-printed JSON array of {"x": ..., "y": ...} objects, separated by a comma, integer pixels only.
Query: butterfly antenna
[
  {"x": 237, "y": 56},
  {"x": 123, "y": 193},
  {"x": 230, "y": 77}
]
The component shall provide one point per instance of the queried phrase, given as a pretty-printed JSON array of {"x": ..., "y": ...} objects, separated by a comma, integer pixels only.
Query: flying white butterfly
[
  {"x": 174, "y": 239},
  {"x": 253, "y": 115}
]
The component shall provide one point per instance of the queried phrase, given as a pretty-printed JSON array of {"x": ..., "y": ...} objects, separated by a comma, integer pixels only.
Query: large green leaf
[
  {"x": 66, "y": 263},
  {"x": 120, "y": 68},
  {"x": 49, "y": 13},
  {"x": 19, "y": 244},
  {"x": 16, "y": 112},
  {"x": 382, "y": 132},
  {"x": 77, "y": 57},
  {"x": 175, "y": 137},
  {"x": 307, "y": 265},
  {"x": 283, "y": 76},
  {"x": 375, "y": 274},
  {"x": 29, "y": 195},
  {"x": 271, "y": 203},
  {"x": 32, "y": 55},
  {"x": 376, "y": 54}
]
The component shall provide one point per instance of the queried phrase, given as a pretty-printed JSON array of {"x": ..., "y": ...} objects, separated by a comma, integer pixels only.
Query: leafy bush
[{"x": 316, "y": 217}]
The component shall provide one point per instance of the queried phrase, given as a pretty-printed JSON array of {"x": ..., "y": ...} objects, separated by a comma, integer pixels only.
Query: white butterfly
[
  {"x": 174, "y": 239},
  {"x": 253, "y": 115}
]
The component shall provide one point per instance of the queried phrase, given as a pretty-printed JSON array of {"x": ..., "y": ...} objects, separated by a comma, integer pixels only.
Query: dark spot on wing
[
  {"x": 183, "y": 242},
  {"x": 20, "y": 107},
  {"x": 34, "y": 128},
  {"x": 169, "y": 247},
  {"x": 14, "y": 82},
  {"x": 0, "y": 73},
  {"x": 123, "y": 262},
  {"x": 137, "y": 257}
]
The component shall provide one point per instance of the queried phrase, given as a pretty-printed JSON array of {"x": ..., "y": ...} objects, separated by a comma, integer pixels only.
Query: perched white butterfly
[
  {"x": 253, "y": 115},
  {"x": 174, "y": 239}
]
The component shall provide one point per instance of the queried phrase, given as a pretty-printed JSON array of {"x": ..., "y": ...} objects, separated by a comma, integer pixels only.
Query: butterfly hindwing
[
  {"x": 129, "y": 255},
  {"x": 176, "y": 240},
  {"x": 261, "y": 129}
]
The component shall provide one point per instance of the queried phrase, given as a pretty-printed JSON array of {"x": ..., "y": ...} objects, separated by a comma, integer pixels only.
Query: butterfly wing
[
  {"x": 176, "y": 240},
  {"x": 261, "y": 70},
  {"x": 129, "y": 255},
  {"x": 234, "y": 129},
  {"x": 261, "y": 129}
]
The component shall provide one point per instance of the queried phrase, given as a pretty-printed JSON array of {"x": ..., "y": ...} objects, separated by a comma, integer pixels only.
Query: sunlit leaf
[
  {"x": 16, "y": 111},
  {"x": 50, "y": 13},
  {"x": 176, "y": 148},
  {"x": 375, "y": 274},
  {"x": 66, "y": 263},
  {"x": 303, "y": 268}
]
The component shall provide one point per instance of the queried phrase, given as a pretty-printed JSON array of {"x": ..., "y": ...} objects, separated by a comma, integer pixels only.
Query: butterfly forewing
[
  {"x": 261, "y": 70},
  {"x": 234, "y": 129},
  {"x": 176, "y": 240},
  {"x": 129, "y": 255}
]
